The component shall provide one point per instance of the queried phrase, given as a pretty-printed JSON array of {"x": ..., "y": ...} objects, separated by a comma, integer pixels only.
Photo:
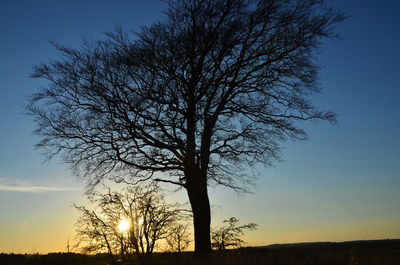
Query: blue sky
[{"x": 341, "y": 184}]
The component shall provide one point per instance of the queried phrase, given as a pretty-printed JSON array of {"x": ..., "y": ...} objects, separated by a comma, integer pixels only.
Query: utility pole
[{"x": 68, "y": 245}]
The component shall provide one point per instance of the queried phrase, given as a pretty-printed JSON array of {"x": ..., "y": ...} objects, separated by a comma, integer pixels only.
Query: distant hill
[{"x": 360, "y": 243}]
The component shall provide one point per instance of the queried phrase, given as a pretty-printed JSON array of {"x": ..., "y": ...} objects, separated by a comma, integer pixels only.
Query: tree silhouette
[
  {"x": 192, "y": 100},
  {"x": 178, "y": 238},
  {"x": 230, "y": 235},
  {"x": 150, "y": 220}
]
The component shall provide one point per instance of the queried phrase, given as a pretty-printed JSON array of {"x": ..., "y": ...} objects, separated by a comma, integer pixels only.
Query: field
[{"x": 374, "y": 252}]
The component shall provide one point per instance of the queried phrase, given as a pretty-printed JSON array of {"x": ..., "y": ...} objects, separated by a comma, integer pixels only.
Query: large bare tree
[{"x": 192, "y": 100}]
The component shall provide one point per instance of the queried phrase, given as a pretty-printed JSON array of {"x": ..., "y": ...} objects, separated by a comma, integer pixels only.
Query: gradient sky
[{"x": 341, "y": 184}]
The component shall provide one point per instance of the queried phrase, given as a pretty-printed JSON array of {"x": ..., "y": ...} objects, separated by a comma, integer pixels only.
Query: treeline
[
  {"x": 52, "y": 258},
  {"x": 374, "y": 252}
]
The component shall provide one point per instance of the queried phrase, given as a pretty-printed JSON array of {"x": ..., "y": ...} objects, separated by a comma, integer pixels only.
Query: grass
[{"x": 375, "y": 252}]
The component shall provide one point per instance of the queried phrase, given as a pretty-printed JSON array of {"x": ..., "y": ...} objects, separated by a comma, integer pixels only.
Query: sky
[{"x": 343, "y": 183}]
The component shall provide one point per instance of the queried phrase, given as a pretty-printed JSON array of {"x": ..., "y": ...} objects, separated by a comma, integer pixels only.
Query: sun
[{"x": 123, "y": 225}]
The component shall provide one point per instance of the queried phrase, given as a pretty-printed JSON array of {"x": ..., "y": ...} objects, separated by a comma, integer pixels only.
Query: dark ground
[{"x": 373, "y": 252}]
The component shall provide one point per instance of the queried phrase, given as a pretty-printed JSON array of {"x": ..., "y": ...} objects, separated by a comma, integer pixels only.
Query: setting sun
[{"x": 123, "y": 225}]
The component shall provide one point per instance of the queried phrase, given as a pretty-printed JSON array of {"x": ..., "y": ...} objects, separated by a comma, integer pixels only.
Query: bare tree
[
  {"x": 148, "y": 220},
  {"x": 97, "y": 233},
  {"x": 178, "y": 238},
  {"x": 192, "y": 100},
  {"x": 230, "y": 234}
]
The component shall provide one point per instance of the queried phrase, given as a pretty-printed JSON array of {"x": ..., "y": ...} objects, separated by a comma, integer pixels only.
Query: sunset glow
[{"x": 123, "y": 226}]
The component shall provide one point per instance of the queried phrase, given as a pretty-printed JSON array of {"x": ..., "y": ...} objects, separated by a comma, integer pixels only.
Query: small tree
[
  {"x": 178, "y": 238},
  {"x": 230, "y": 234},
  {"x": 148, "y": 220},
  {"x": 96, "y": 232}
]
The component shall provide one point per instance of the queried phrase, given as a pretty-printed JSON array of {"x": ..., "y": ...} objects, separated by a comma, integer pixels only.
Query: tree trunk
[
  {"x": 196, "y": 181},
  {"x": 198, "y": 197}
]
